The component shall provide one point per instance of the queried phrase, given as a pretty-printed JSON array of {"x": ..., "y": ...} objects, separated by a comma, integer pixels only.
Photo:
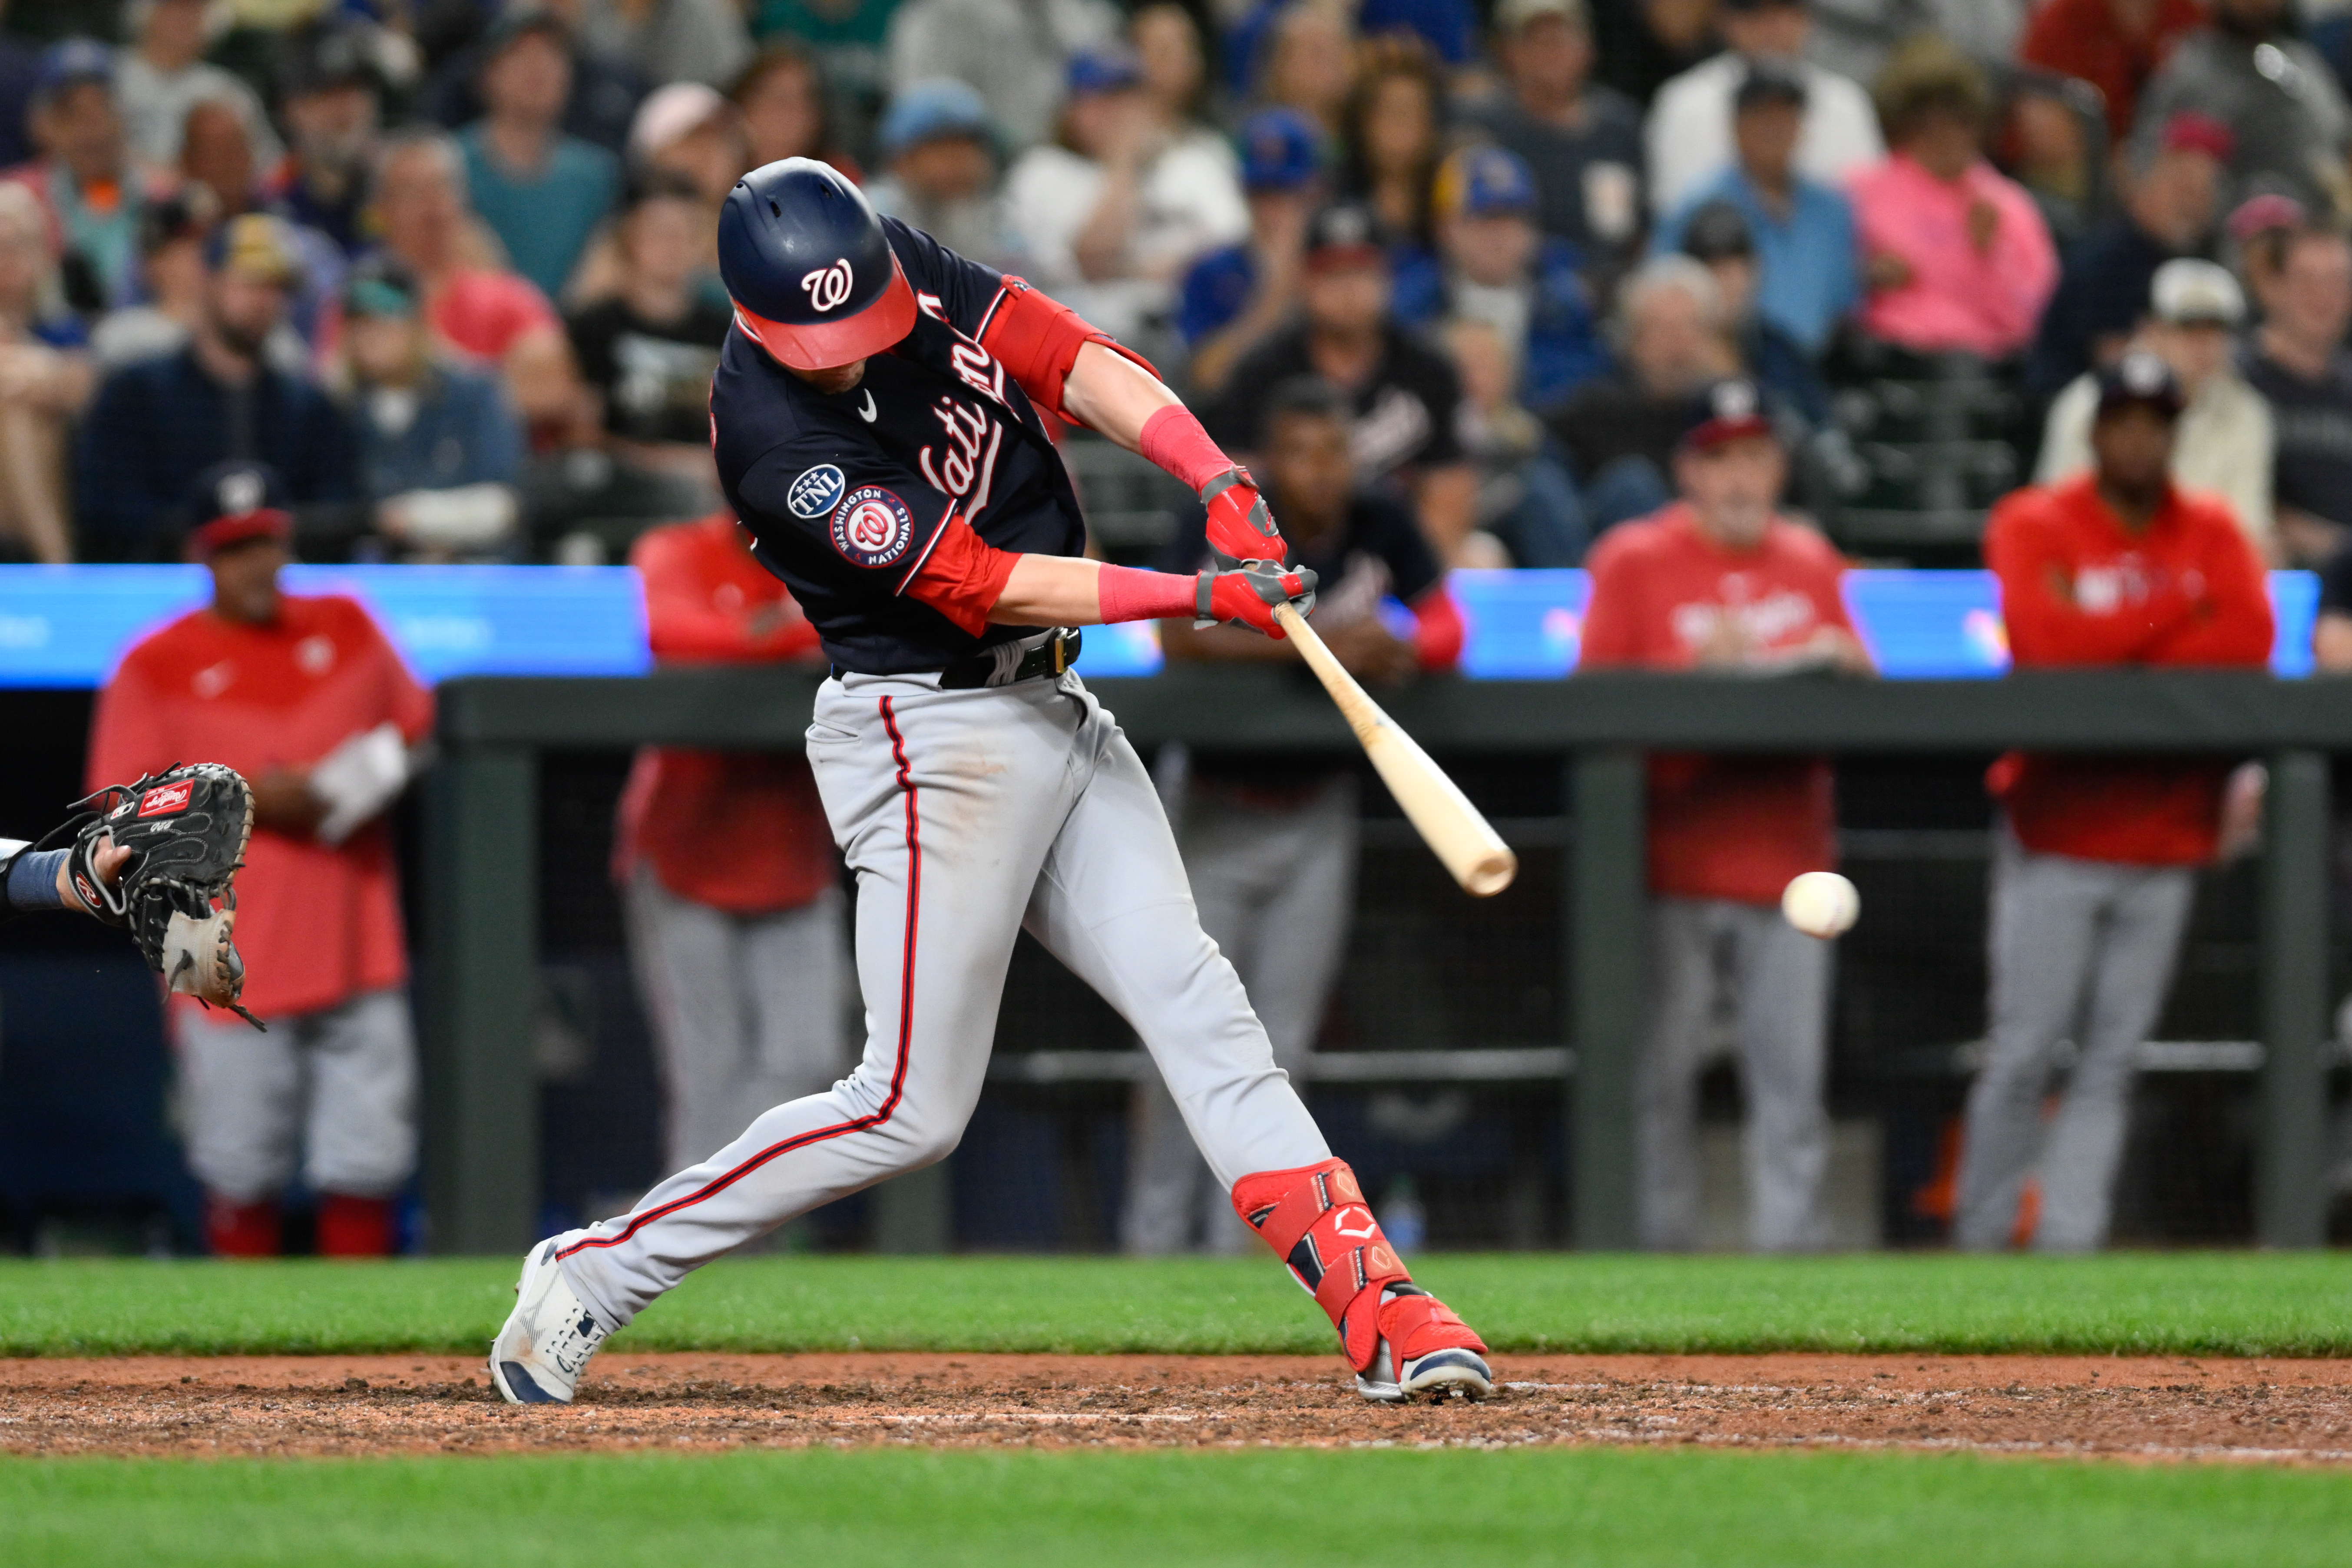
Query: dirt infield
[{"x": 2276, "y": 1411}]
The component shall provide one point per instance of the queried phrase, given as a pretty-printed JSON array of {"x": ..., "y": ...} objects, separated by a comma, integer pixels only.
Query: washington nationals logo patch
[
  {"x": 816, "y": 492},
  {"x": 872, "y": 527},
  {"x": 828, "y": 287}
]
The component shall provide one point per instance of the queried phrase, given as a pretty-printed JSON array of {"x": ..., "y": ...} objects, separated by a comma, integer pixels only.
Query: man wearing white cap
[{"x": 2224, "y": 441}]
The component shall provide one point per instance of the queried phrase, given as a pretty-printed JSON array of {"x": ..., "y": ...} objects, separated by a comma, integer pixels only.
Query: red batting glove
[
  {"x": 1248, "y": 597},
  {"x": 1241, "y": 525}
]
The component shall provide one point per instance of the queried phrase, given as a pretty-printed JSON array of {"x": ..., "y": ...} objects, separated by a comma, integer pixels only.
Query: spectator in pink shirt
[{"x": 1955, "y": 256}]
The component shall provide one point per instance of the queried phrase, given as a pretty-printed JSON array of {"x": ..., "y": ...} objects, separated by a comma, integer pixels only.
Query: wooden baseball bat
[{"x": 1472, "y": 850}]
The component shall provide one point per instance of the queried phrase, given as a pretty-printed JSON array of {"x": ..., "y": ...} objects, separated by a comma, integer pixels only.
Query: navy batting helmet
[{"x": 811, "y": 275}]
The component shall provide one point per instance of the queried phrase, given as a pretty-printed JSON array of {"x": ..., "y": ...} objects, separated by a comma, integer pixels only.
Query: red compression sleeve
[
  {"x": 1174, "y": 440},
  {"x": 1438, "y": 631},
  {"x": 1037, "y": 340},
  {"x": 1129, "y": 595},
  {"x": 963, "y": 577}
]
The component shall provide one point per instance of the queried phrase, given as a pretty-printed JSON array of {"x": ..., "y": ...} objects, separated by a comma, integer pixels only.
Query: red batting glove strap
[
  {"x": 1241, "y": 526},
  {"x": 1317, "y": 1221},
  {"x": 1174, "y": 440},
  {"x": 1248, "y": 597},
  {"x": 1128, "y": 593}
]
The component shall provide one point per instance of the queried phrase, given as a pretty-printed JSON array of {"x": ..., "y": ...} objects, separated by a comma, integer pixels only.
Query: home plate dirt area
[{"x": 2276, "y": 1411}]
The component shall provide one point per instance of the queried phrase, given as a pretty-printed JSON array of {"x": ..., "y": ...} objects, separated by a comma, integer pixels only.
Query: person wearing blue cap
[
  {"x": 1015, "y": 51},
  {"x": 1114, "y": 211},
  {"x": 1583, "y": 139},
  {"x": 85, "y": 175},
  {"x": 1495, "y": 266},
  {"x": 1233, "y": 298},
  {"x": 941, "y": 173}
]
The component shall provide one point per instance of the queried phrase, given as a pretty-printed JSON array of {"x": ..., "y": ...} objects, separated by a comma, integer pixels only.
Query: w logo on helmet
[{"x": 828, "y": 287}]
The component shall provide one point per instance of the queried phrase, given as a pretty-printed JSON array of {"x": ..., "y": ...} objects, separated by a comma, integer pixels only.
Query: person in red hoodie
[
  {"x": 726, "y": 866},
  {"x": 2096, "y": 863},
  {"x": 306, "y": 697},
  {"x": 1720, "y": 580}
]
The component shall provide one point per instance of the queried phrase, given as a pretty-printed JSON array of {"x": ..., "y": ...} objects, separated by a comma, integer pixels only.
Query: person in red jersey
[
  {"x": 305, "y": 697},
  {"x": 726, "y": 865},
  {"x": 1720, "y": 580},
  {"x": 2095, "y": 866}
]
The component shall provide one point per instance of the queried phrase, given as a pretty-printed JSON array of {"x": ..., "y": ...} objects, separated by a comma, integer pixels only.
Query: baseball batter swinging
[{"x": 876, "y": 417}]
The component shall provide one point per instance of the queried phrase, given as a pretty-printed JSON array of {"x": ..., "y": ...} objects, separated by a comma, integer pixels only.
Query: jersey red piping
[
  {"x": 937, "y": 534},
  {"x": 906, "y": 1028}
]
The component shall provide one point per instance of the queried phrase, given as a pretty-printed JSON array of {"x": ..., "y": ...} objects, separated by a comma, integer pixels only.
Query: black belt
[{"x": 1008, "y": 662}]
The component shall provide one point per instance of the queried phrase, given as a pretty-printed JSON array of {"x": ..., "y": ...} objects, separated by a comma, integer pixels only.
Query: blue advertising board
[{"x": 67, "y": 625}]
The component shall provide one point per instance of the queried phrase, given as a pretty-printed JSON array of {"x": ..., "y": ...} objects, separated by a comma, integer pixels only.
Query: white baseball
[{"x": 1820, "y": 903}]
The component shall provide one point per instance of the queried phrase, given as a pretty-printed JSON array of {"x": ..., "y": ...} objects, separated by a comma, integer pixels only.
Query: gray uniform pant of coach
[
  {"x": 2081, "y": 951},
  {"x": 1703, "y": 953},
  {"x": 966, "y": 817},
  {"x": 339, "y": 1083},
  {"x": 1275, "y": 885},
  {"x": 745, "y": 1009}
]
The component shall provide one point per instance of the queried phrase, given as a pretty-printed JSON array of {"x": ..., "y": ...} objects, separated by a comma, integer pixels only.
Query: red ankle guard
[{"x": 1317, "y": 1221}]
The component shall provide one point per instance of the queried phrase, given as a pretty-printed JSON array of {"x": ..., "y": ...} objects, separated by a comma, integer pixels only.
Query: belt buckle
[{"x": 1067, "y": 642}]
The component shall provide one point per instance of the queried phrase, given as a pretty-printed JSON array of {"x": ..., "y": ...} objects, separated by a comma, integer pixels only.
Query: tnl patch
[
  {"x": 872, "y": 527},
  {"x": 816, "y": 492},
  {"x": 166, "y": 799}
]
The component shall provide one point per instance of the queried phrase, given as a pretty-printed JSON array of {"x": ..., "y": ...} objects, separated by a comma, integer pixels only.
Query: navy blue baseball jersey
[{"x": 846, "y": 493}]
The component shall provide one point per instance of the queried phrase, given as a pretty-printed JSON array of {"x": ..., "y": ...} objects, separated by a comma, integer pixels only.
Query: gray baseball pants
[
  {"x": 340, "y": 1082},
  {"x": 2081, "y": 951},
  {"x": 1274, "y": 884},
  {"x": 968, "y": 816},
  {"x": 1703, "y": 953},
  {"x": 745, "y": 1010}
]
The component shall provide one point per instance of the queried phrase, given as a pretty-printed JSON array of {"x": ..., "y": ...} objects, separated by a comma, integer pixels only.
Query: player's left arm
[
  {"x": 1071, "y": 370},
  {"x": 42, "y": 878}
]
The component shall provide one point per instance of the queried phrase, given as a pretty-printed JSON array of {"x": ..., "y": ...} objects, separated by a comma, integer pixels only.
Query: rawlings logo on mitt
[{"x": 186, "y": 830}]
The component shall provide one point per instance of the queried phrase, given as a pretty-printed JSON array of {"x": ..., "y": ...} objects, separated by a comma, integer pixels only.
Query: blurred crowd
[{"x": 447, "y": 265}]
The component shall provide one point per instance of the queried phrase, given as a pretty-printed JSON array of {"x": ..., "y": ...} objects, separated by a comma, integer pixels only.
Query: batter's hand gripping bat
[{"x": 1472, "y": 850}]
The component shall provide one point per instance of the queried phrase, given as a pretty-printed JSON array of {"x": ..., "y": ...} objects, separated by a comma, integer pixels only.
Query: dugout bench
[{"x": 480, "y": 956}]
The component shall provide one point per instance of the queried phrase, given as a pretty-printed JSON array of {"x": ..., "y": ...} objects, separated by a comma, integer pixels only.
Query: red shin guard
[{"x": 1317, "y": 1222}]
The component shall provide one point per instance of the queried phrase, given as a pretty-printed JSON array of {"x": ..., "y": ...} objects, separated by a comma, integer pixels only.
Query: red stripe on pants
[{"x": 905, "y": 1027}]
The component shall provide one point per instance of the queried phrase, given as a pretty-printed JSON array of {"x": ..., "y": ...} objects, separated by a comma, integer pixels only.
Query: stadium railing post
[
  {"x": 2290, "y": 1197},
  {"x": 1606, "y": 927},
  {"x": 481, "y": 993}
]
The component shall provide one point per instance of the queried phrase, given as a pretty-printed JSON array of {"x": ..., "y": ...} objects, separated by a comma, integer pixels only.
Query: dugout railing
[{"x": 480, "y": 977}]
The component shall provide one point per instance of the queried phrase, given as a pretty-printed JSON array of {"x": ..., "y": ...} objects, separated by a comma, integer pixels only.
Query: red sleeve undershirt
[
  {"x": 964, "y": 576},
  {"x": 1438, "y": 630}
]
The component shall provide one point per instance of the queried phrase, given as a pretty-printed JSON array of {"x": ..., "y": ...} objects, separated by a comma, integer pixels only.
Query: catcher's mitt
[{"x": 186, "y": 830}]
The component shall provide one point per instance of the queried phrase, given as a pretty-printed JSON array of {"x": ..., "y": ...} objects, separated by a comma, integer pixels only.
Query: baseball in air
[{"x": 1820, "y": 903}]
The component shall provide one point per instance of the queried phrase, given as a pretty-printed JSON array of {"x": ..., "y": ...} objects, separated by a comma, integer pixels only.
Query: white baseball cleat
[
  {"x": 547, "y": 1340},
  {"x": 1438, "y": 1374},
  {"x": 1441, "y": 1369}
]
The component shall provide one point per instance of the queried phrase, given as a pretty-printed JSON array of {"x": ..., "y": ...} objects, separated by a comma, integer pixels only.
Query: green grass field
[
  {"x": 1688, "y": 1506},
  {"x": 2170, "y": 1303},
  {"x": 1138, "y": 1510}
]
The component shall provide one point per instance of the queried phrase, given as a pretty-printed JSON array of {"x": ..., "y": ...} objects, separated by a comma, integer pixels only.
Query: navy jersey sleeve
[
  {"x": 2336, "y": 583},
  {"x": 961, "y": 290},
  {"x": 1389, "y": 531},
  {"x": 1188, "y": 548},
  {"x": 847, "y": 501}
]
